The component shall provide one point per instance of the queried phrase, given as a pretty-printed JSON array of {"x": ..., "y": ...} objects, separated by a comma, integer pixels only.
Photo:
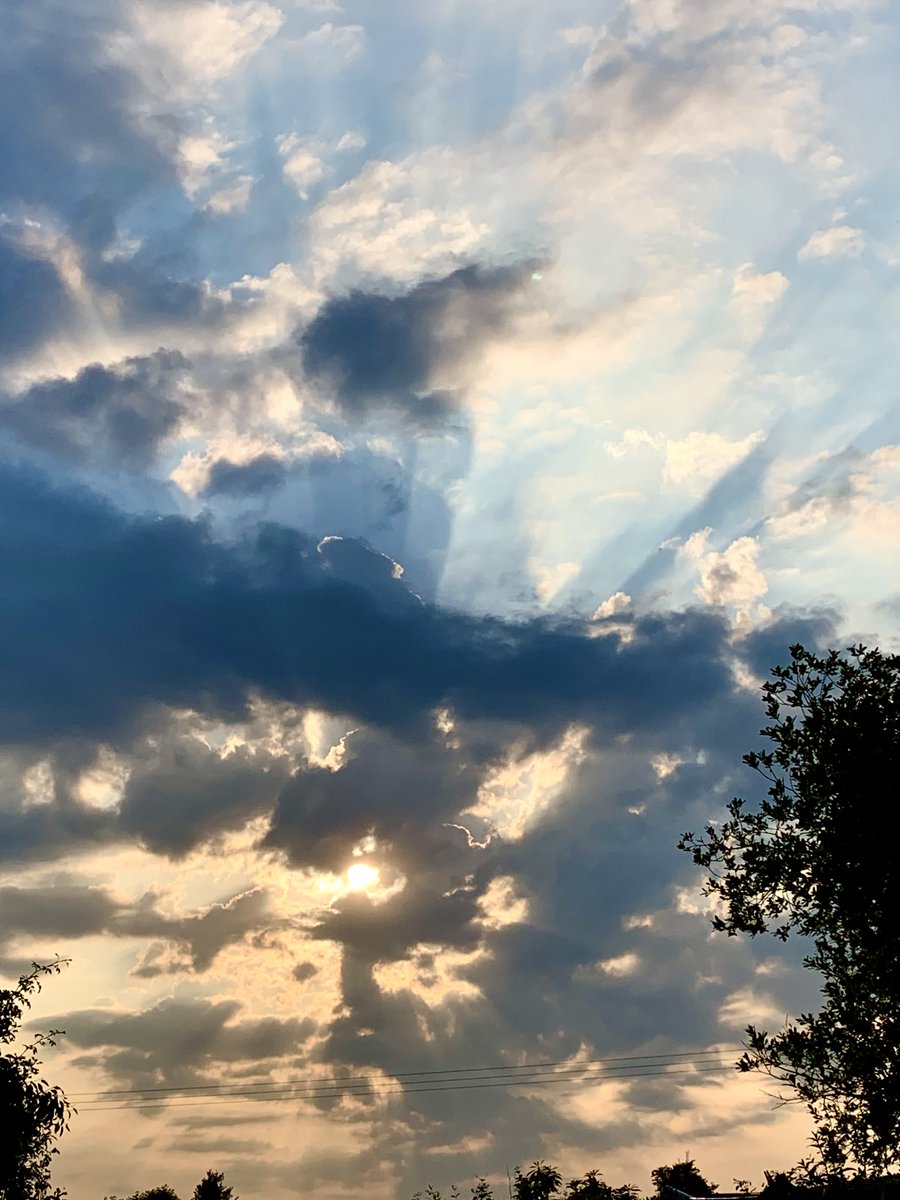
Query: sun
[{"x": 361, "y": 876}]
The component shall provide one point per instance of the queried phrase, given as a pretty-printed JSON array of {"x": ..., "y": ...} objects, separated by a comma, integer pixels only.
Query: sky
[{"x": 422, "y": 428}]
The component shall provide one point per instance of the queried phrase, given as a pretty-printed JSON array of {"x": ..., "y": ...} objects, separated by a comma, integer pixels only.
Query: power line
[
  {"x": 243, "y": 1098},
  {"x": 286, "y": 1093},
  {"x": 412, "y": 1076}
]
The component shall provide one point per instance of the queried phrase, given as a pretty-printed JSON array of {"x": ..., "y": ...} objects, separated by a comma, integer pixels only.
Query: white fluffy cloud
[
  {"x": 201, "y": 43},
  {"x": 729, "y": 578},
  {"x": 839, "y": 241},
  {"x": 700, "y": 458}
]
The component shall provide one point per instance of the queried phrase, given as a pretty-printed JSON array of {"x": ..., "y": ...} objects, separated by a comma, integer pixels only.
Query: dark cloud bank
[
  {"x": 105, "y": 618},
  {"x": 384, "y": 351},
  {"x": 104, "y": 615},
  {"x": 104, "y": 415}
]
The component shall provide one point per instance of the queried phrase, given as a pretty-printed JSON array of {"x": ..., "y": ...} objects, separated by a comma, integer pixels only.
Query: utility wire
[
  {"x": 413, "y": 1076},
  {"x": 285, "y": 1093}
]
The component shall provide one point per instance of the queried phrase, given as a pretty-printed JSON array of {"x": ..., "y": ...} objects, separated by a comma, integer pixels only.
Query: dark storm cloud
[
  {"x": 381, "y": 788},
  {"x": 73, "y": 911},
  {"x": 192, "y": 1144},
  {"x": 387, "y": 931},
  {"x": 181, "y": 792},
  {"x": 381, "y": 496},
  {"x": 303, "y": 971},
  {"x": 32, "y": 299},
  {"x": 116, "y": 415},
  {"x": 73, "y": 136},
  {"x": 180, "y": 1041},
  {"x": 103, "y": 615},
  {"x": 63, "y": 910},
  {"x": 767, "y": 646},
  {"x": 202, "y": 936},
  {"x": 40, "y": 831},
  {"x": 156, "y": 287},
  {"x": 261, "y": 474},
  {"x": 383, "y": 351},
  {"x": 89, "y": 141}
]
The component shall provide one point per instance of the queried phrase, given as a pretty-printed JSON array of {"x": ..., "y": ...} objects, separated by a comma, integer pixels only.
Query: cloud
[
  {"x": 178, "y": 1042},
  {"x": 261, "y": 474},
  {"x": 695, "y": 461},
  {"x": 189, "y": 942},
  {"x": 98, "y": 135},
  {"x": 33, "y": 300},
  {"x": 154, "y": 290},
  {"x": 757, "y": 288},
  {"x": 753, "y": 294},
  {"x": 395, "y": 220},
  {"x": 410, "y": 352},
  {"x": 232, "y": 198},
  {"x": 80, "y": 141},
  {"x": 61, "y": 911},
  {"x": 303, "y": 165},
  {"x": 730, "y": 578},
  {"x": 303, "y": 971},
  {"x": 840, "y": 241},
  {"x": 180, "y": 792},
  {"x": 699, "y": 459},
  {"x": 114, "y": 415},
  {"x": 849, "y": 492},
  {"x": 40, "y": 831},
  {"x": 322, "y": 814},
  {"x": 105, "y": 615},
  {"x": 203, "y": 42},
  {"x": 203, "y": 936}
]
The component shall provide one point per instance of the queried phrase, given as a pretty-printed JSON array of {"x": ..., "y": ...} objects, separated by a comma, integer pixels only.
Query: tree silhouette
[
  {"x": 212, "y": 1187},
  {"x": 32, "y": 1113},
  {"x": 684, "y": 1176},
  {"x": 540, "y": 1182},
  {"x": 813, "y": 858},
  {"x": 592, "y": 1186},
  {"x": 161, "y": 1192}
]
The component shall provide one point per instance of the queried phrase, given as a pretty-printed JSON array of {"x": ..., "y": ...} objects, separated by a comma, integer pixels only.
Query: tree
[
  {"x": 683, "y": 1176},
  {"x": 482, "y": 1189},
  {"x": 212, "y": 1187},
  {"x": 592, "y": 1186},
  {"x": 814, "y": 858},
  {"x": 540, "y": 1182},
  {"x": 32, "y": 1113}
]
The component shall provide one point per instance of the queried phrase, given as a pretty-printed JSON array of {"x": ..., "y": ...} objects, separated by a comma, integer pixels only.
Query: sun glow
[{"x": 361, "y": 876}]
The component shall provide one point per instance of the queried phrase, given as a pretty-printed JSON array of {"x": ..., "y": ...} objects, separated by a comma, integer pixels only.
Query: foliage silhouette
[
  {"x": 161, "y": 1192},
  {"x": 540, "y": 1182},
  {"x": 813, "y": 858},
  {"x": 592, "y": 1186},
  {"x": 212, "y": 1187},
  {"x": 684, "y": 1176},
  {"x": 33, "y": 1114}
]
